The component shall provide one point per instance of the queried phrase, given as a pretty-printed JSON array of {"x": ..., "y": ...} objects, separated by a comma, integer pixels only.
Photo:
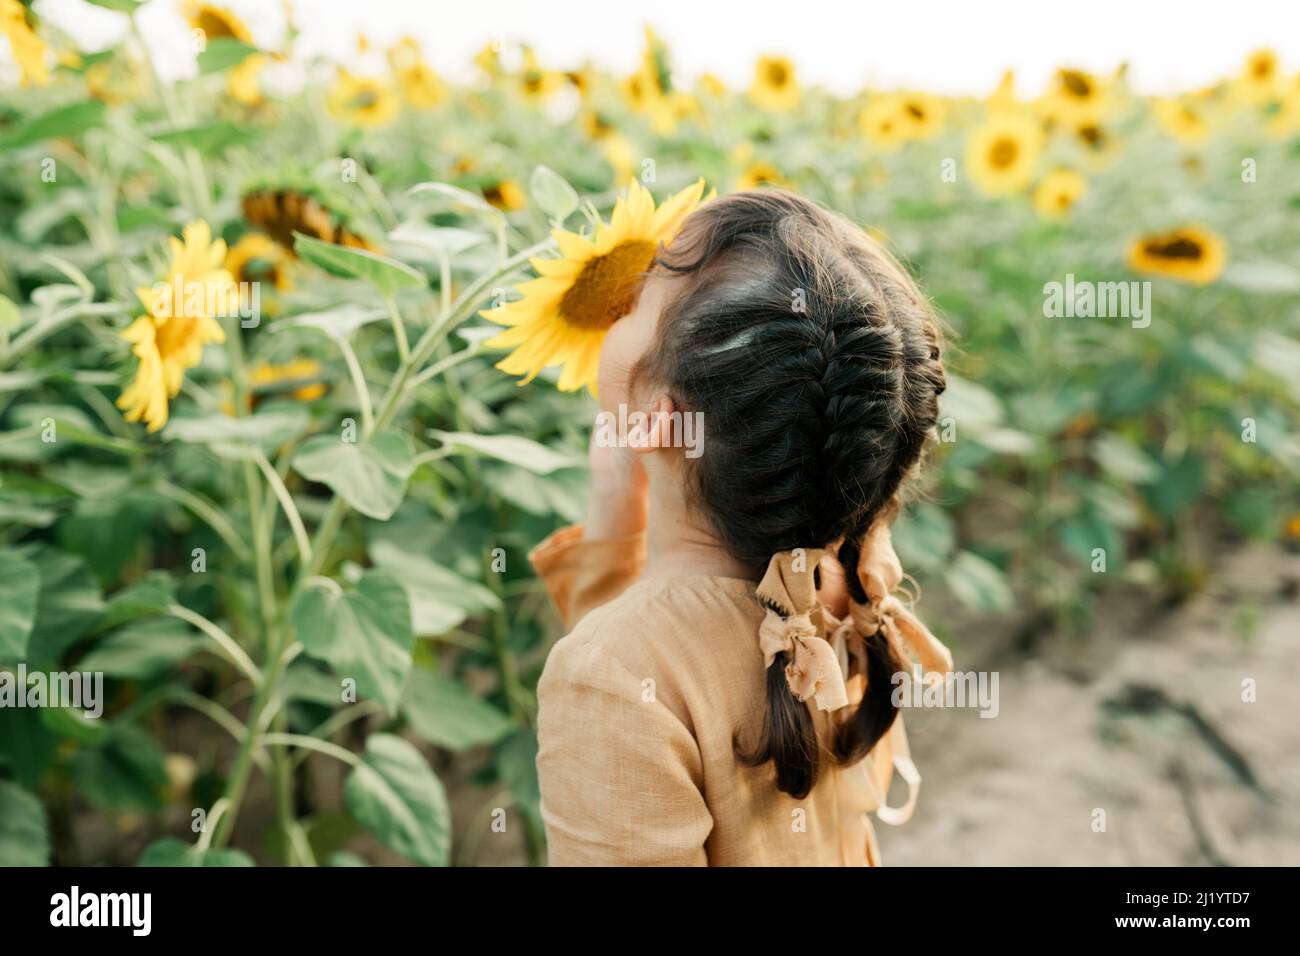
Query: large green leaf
[
  {"x": 68, "y": 607},
  {"x": 235, "y": 437},
  {"x": 70, "y": 120},
  {"x": 126, "y": 773},
  {"x": 362, "y": 632},
  {"x": 444, "y": 712},
  {"x": 142, "y": 650},
  {"x": 221, "y": 53},
  {"x": 170, "y": 851},
  {"x": 370, "y": 476},
  {"x": 20, "y": 585},
  {"x": 440, "y": 599},
  {"x": 513, "y": 449},
  {"x": 978, "y": 583},
  {"x": 385, "y": 274},
  {"x": 395, "y": 796},
  {"x": 24, "y": 833}
]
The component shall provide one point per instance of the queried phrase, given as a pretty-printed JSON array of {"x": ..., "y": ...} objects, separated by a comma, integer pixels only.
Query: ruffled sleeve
[{"x": 581, "y": 575}]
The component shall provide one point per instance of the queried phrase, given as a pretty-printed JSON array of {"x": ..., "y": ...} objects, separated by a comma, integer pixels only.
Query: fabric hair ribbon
[
  {"x": 880, "y": 573},
  {"x": 794, "y": 625}
]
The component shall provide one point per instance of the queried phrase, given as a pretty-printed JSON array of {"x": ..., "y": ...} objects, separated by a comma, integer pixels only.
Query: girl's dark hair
[{"x": 816, "y": 364}]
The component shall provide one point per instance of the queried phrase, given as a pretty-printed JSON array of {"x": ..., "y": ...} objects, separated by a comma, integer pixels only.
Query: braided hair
[{"x": 816, "y": 362}]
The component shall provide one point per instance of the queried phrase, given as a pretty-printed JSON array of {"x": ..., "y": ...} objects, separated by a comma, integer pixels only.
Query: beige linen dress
[{"x": 638, "y": 708}]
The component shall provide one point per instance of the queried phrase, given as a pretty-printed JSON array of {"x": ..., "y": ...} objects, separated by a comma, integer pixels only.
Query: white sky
[{"x": 946, "y": 47}]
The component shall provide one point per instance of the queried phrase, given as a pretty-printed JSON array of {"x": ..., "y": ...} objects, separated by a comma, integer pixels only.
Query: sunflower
[
  {"x": 1075, "y": 97},
  {"x": 29, "y": 50},
  {"x": 241, "y": 81},
  {"x": 1191, "y": 254},
  {"x": 710, "y": 84},
  {"x": 217, "y": 23},
  {"x": 256, "y": 258},
  {"x": 535, "y": 82},
  {"x": 1058, "y": 192},
  {"x": 761, "y": 174},
  {"x": 923, "y": 114},
  {"x": 421, "y": 87},
  {"x": 506, "y": 195},
  {"x": 1181, "y": 120},
  {"x": 882, "y": 121},
  {"x": 299, "y": 379},
  {"x": 362, "y": 100},
  {"x": 281, "y": 212},
  {"x": 775, "y": 87},
  {"x": 1259, "y": 78},
  {"x": 564, "y": 314},
  {"x": 618, "y": 153},
  {"x": 1000, "y": 156},
  {"x": 170, "y": 338}
]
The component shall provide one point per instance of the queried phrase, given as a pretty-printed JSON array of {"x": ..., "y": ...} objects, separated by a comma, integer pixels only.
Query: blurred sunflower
[
  {"x": 506, "y": 195},
  {"x": 299, "y": 379},
  {"x": 1181, "y": 120},
  {"x": 1000, "y": 156},
  {"x": 537, "y": 83},
  {"x": 1075, "y": 97},
  {"x": 241, "y": 81},
  {"x": 923, "y": 114},
  {"x": 1191, "y": 254},
  {"x": 281, "y": 212},
  {"x": 1058, "y": 192},
  {"x": 29, "y": 51},
  {"x": 216, "y": 22},
  {"x": 564, "y": 314},
  {"x": 618, "y": 153},
  {"x": 256, "y": 258},
  {"x": 710, "y": 84},
  {"x": 1259, "y": 77},
  {"x": 362, "y": 100},
  {"x": 421, "y": 87},
  {"x": 761, "y": 174},
  {"x": 774, "y": 87},
  {"x": 882, "y": 121},
  {"x": 170, "y": 338}
]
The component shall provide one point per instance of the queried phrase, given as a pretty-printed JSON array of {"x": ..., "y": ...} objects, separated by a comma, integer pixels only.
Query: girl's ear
[{"x": 655, "y": 429}]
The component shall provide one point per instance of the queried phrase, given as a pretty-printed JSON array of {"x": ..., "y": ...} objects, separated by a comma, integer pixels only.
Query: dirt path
[{"x": 1144, "y": 720}]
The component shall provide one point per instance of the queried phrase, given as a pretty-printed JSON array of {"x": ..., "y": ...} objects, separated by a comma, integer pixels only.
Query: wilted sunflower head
[
  {"x": 564, "y": 314},
  {"x": 1192, "y": 254},
  {"x": 279, "y": 213}
]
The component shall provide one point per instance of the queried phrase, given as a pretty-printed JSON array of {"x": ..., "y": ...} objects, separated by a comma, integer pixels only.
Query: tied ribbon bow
[
  {"x": 880, "y": 573},
  {"x": 793, "y": 626}
]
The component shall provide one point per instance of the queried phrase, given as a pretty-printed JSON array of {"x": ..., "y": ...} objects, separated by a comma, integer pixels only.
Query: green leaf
[
  {"x": 513, "y": 449},
  {"x": 142, "y": 650},
  {"x": 234, "y": 437},
  {"x": 170, "y": 851},
  {"x": 385, "y": 274},
  {"x": 152, "y": 595},
  {"x": 969, "y": 405},
  {"x": 444, "y": 712},
  {"x": 207, "y": 138},
  {"x": 24, "y": 832},
  {"x": 516, "y": 763},
  {"x": 362, "y": 632},
  {"x": 340, "y": 322},
  {"x": 440, "y": 599},
  {"x": 221, "y": 53},
  {"x": 370, "y": 476},
  {"x": 552, "y": 193},
  {"x": 978, "y": 584},
  {"x": 1178, "y": 486},
  {"x": 126, "y": 773},
  {"x": 71, "y": 120},
  {"x": 121, "y": 6},
  {"x": 20, "y": 586},
  {"x": 68, "y": 607},
  {"x": 924, "y": 536},
  {"x": 395, "y": 796},
  {"x": 461, "y": 197},
  {"x": 1123, "y": 460},
  {"x": 440, "y": 241}
]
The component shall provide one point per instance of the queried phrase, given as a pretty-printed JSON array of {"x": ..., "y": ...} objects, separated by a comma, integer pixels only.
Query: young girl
[{"x": 724, "y": 694}]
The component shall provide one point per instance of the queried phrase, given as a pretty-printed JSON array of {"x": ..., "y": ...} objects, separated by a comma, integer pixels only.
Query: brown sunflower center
[
  {"x": 915, "y": 110},
  {"x": 214, "y": 25},
  {"x": 777, "y": 74},
  {"x": 1004, "y": 152},
  {"x": 606, "y": 289},
  {"x": 1177, "y": 247},
  {"x": 1076, "y": 84}
]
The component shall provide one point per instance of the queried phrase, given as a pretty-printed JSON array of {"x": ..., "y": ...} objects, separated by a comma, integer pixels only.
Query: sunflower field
[{"x": 276, "y": 432}]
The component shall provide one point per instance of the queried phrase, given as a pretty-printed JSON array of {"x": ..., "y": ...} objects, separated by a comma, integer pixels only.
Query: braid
[{"x": 816, "y": 363}]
